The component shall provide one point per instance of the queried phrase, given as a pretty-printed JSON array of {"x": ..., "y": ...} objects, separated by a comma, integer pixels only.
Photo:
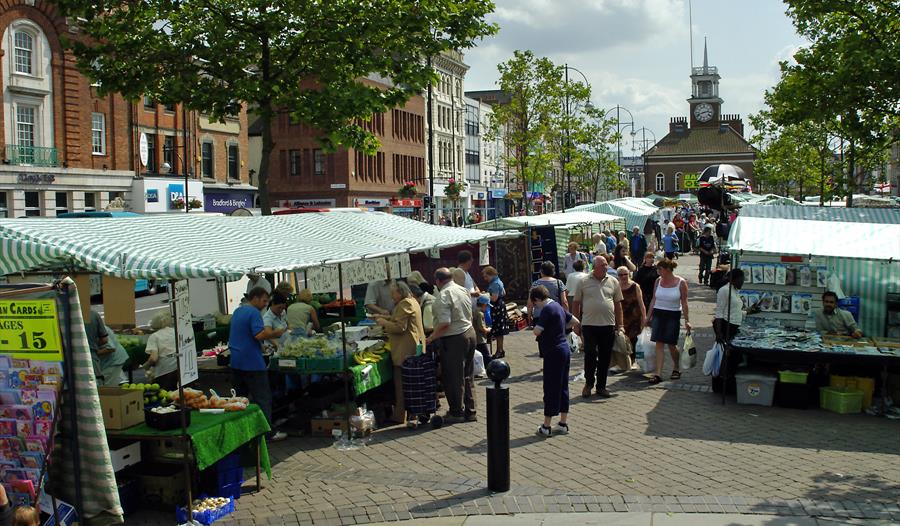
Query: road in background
[{"x": 146, "y": 307}]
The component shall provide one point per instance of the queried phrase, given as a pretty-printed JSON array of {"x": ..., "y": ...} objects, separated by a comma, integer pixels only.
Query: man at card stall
[{"x": 832, "y": 320}]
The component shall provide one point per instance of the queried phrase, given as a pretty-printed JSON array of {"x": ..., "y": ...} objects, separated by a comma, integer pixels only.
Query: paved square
[{"x": 668, "y": 448}]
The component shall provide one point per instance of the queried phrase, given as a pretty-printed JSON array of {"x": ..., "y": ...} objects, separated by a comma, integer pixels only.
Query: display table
[
  {"x": 381, "y": 373},
  {"x": 213, "y": 436}
]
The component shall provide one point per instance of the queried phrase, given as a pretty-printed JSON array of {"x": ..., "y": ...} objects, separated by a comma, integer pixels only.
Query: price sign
[
  {"x": 690, "y": 181},
  {"x": 29, "y": 329},
  {"x": 187, "y": 347}
]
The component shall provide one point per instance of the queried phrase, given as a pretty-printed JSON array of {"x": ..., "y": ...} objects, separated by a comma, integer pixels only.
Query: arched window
[
  {"x": 678, "y": 180},
  {"x": 23, "y": 51},
  {"x": 660, "y": 182}
]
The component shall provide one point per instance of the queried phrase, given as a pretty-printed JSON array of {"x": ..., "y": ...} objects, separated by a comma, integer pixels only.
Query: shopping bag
[
  {"x": 621, "y": 345},
  {"x": 645, "y": 354},
  {"x": 713, "y": 360},
  {"x": 478, "y": 364},
  {"x": 688, "y": 353},
  {"x": 621, "y": 361},
  {"x": 575, "y": 343}
]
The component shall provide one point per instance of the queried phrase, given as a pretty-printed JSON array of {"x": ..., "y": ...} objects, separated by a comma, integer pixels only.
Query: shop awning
[
  {"x": 554, "y": 219},
  {"x": 635, "y": 210},
  {"x": 832, "y": 232},
  {"x": 180, "y": 246}
]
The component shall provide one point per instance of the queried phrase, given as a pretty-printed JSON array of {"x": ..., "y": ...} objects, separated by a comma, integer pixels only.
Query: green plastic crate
[
  {"x": 792, "y": 377},
  {"x": 841, "y": 400},
  {"x": 309, "y": 365}
]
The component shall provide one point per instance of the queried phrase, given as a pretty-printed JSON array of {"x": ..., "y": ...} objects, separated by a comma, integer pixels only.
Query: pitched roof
[{"x": 701, "y": 140}]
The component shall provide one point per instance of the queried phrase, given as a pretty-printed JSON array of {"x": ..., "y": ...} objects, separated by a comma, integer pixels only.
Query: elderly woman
[
  {"x": 599, "y": 241},
  {"x": 499, "y": 316},
  {"x": 161, "y": 365},
  {"x": 623, "y": 240},
  {"x": 301, "y": 313},
  {"x": 405, "y": 332},
  {"x": 550, "y": 331},
  {"x": 634, "y": 313}
]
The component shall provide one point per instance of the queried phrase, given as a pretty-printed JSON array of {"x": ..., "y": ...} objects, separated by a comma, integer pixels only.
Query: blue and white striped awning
[{"x": 181, "y": 246}]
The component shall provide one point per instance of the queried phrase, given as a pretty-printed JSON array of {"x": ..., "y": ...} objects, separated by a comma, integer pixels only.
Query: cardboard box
[
  {"x": 122, "y": 408},
  {"x": 322, "y": 427},
  {"x": 124, "y": 454},
  {"x": 162, "y": 485}
]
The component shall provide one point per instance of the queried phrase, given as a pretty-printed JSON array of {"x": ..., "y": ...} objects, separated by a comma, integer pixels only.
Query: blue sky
[{"x": 636, "y": 53}]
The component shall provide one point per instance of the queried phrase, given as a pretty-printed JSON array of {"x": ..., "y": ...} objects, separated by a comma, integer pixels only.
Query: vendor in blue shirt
[{"x": 248, "y": 369}]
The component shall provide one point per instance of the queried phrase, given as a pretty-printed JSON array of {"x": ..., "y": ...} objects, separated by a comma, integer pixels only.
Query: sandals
[
  {"x": 655, "y": 380},
  {"x": 676, "y": 375}
]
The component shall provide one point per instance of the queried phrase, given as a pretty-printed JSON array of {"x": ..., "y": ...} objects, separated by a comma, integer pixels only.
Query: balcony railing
[{"x": 31, "y": 156}]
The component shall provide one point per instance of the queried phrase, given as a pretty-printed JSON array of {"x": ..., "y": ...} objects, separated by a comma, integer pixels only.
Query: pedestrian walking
[
  {"x": 707, "y": 248},
  {"x": 573, "y": 279},
  {"x": 572, "y": 256},
  {"x": 638, "y": 245},
  {"x": 598, "y": 304},
  {"x": 646, "y": 277},
  {"x": 670, "y": 243},
  {"x": 555, "y": 287},
  {"x": 550, "y": 331},
  {"x": 634, "y": 314},
  {"x": 670, "y": 295}
]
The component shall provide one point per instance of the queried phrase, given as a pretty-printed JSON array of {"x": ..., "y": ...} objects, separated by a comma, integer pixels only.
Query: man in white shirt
[
  {"x": 453, "y": 328},
  {"x": 464, "y": 260},
  {"x": 573, "y": 279},
  {"x": 378, "y": 297},
  {"x": 727, "y": 321},
  {"x": 258, "y": 280}
]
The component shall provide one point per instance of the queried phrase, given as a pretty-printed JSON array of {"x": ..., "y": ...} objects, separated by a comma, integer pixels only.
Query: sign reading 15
[{"x": 37, "y": 340}]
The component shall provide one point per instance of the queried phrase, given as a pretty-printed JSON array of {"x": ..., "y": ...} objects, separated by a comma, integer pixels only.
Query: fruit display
[
  {"x": 195, "y": 399},
  {"x": 153, "y": 394},
  {"x": 206, "y": 511},
  {"x": 370, "y": 354}
]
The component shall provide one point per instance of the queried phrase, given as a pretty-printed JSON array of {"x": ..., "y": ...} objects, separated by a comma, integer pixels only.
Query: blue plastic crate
[
  {"x": 231, "y": 490},
  {"x": 206, "y": 517}
]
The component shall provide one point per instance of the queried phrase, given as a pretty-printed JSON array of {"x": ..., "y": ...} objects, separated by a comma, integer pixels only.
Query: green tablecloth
[
  {"x": 381, "y": 373},
  {"x": 215, "y": 435}
]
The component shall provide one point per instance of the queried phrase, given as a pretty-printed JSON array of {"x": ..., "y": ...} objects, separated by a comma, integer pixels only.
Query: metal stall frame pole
[
  {"x": 185, "y": 439},
  {"x": 345, "y": 371},
  {"x": 725, "y": 342},
  {"x": 70, "y": 380}
]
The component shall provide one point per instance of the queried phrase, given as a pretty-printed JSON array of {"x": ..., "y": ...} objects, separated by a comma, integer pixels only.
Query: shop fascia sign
[
  {"x": 372, "y": 202},
  {"x": 35, "y": 178},
  {"x": 176, "y": 192}
]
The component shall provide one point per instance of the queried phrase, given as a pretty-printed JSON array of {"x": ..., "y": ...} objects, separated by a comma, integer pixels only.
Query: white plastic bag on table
[
  {"x": 713, "y": 360},
  {"x": 478, "y": 364},
  {"x": 688, "y": 353},
  {"x": 645, "y": 354}
]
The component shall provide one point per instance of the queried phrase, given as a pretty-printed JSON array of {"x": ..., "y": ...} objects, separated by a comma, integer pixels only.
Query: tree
[
  {"x": 594, "y": 163},
  {"x": 306, "y": 58},
  {"x": 846, "y": 78}
]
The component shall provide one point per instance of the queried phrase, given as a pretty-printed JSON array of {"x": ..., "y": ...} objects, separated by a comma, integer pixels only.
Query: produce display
[
  {"x": 153, "y": 395},
  {"x": 207, "y": 511},
  {"x": 309, "y": 348},
  {"x": 370, "y": 354},
  {"x": 196, "y": 399}
]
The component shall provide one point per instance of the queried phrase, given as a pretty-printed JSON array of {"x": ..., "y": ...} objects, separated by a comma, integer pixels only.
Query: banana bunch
[{"x": 371, "y": 355}]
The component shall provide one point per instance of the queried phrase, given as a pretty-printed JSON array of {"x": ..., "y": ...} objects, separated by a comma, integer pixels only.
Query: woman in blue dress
[{"x": 550, "y": 330}]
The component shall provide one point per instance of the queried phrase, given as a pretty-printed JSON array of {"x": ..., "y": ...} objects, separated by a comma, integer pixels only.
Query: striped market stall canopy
[
  {"x": 181, "y": 246},
  {"x": 554, "y": 219},
  {"x": 635, "y": 210}
]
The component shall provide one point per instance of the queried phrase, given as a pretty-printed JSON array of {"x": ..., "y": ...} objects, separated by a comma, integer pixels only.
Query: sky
[{"x": 636, "y": 53}]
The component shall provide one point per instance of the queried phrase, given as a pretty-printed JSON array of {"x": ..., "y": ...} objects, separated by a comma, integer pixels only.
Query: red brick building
[
  {"x": 708, "y": 138},
  {"x": 302, "y": 174}
]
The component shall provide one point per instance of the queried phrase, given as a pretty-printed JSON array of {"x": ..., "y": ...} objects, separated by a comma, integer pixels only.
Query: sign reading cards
[
  {"x": 186, "y": 345},
  {"x": 29, "y": 329}
]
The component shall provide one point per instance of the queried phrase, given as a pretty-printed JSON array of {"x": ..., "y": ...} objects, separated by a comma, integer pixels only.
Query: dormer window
[{"x": 23, "y": 52}]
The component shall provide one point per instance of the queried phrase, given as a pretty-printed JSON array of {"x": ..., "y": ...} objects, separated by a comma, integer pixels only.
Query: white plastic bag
[
  {"x": 478, "y": 364},
  {"x": 713, "y": 360},
  {"x": 645, "y": 354},
  {"x": 688, "y": 357},
  {"x": 575, "y": 343}
]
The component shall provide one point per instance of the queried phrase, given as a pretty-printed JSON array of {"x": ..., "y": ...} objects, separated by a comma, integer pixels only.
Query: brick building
[
  {"x": 66, "y": 149},
  {"x": 708, "y": 138},
  {"x": 302, "y": 174}
]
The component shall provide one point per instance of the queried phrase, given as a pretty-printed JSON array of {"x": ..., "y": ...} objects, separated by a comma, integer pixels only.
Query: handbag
[{"x": 688, "y": 353}]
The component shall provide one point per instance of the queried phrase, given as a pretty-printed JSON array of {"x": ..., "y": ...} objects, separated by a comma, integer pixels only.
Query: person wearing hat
[
  {"x": 707, "y": 247},
  {"x": 482, "y": 326}
]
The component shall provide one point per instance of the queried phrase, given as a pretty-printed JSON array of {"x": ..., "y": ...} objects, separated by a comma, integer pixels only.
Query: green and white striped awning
[
  {"x": 181, "y": 246},
  {"x": 635, "y": 210},
  {"x": 554, "y": 219}
]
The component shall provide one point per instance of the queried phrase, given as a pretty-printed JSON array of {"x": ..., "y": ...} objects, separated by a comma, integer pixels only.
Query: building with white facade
[{"x": 448, "y": 108}]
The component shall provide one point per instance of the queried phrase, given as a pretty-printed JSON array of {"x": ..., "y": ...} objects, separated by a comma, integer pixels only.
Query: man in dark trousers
[
  {"x": 707, "y": 246},
  {"x": 598, "y": 304},
  {"x": 638, "y": 245}
]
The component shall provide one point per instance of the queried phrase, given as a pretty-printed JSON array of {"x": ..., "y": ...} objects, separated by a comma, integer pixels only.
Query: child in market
[
  {"x": 482, "y": 329},
  {"x": 26, "y": 516}
]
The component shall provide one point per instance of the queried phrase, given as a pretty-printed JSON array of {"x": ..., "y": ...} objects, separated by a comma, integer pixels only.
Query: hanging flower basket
[
  {"x": 195, "y": 203},
  {"x": 178, "y": 204},
  {"x": 407, "y": 190},
  {"x": 453, "y": 189}
]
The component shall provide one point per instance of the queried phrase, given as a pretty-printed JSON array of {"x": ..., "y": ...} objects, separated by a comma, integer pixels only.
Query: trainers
[
  {"x": 278, "y": 436},
  {"x": 544, "y": 431},
  {"x": 560, "y": 429}
]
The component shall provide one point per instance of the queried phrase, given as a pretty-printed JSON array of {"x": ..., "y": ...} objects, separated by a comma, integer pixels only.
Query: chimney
[
  {"x": 678, "y": 125},
  {"x": 732, "y": 121}
]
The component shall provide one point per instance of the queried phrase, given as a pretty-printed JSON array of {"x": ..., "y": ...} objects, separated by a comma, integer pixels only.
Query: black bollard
[{"x": 497, "y": 401}]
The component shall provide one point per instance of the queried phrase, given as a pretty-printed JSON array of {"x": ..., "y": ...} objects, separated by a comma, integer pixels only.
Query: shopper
[
  {"x": 670, "y": 243},
  {"x": 453, "y": 328},
  {"x": 620, "y": 258},
  {"x": 646, "y": 277},
  {"x": 405, "y": 332},
  {"x": 727, "y": 320},
  {"x": 623, "y": 242},
  {"x": 634, "y": 314},
  {"x": 670, "y": 296},
  {"x": 499, "y": 316},
  {"x": 598, "y": 304},
  {"x": 572, "y": 256},
  {"x": 465, "y": 261},
  {"x": 706, "y": 245},
  {"x": 555, "y": 287},
  {"x": 301, "y": 313},
  {"x": 482, "y": 329},
  {"x": 693, "y": 231},
  {"x": 426, "y": 303},
  {"x": 573, "y": 279},
  {"x": 610, "y": 241},
  {"x": 638, "y": 245},
  {"x": 162, "y": 362},
  {"x": 249, "y": 375},
  {"x": 599, "y": 241},
  {"x": 550, "y": 331}
]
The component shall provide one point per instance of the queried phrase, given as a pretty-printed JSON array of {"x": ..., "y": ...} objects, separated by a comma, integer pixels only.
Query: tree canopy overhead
[{"x": 304, "y": 57}]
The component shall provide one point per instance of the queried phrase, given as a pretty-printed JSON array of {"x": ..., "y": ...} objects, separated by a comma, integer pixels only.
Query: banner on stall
[
  {"x": 325, "y": 278},
  {"x": 186, "y": 344},
  {"x": 29, "y": 329},
  {"x": 484, "y": 253}
]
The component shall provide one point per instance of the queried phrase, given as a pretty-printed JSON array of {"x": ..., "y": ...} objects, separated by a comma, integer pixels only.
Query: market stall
[
  {"x": 791, "y": 255},
  {"x": 636, "y": 211}
]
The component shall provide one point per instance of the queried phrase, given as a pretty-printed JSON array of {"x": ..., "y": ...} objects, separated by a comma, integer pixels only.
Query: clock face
[{"x": 703, "y": 112}]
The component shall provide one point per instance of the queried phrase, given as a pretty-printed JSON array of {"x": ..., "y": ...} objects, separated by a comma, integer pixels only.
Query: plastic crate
[
  {"x": 842, "y": 400},
  {"x": 792, "y": 377},
  {"x": 755, "y": 388},
  {"x": 866, "y": 385},
  {"x": 334, "y": 364},
  {"x": 219, "y": 479},
  {"x": 205, "y": 517}
]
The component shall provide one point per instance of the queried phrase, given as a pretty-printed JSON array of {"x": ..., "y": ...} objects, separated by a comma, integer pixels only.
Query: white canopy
[{"x": 553, "y": 219}]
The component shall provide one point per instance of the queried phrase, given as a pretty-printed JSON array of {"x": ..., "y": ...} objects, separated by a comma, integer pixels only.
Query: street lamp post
[
  {"x": 566, "y": 175},
  {"x": 644, "y": 147},
  {"x": 430, "y": 148}
]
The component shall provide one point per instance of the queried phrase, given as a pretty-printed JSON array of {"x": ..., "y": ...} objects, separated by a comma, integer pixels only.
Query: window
[
  {"x": 296, "y": 160},
  {"x": 151, "y": 154},
  {"x": 90, "y": 202},
  {"x": 318, "y": 162},
  {"x": 206, "y": 160},
  {"x": 4, "y": 212},
  {"x": 660, "y": 182},
  {"x": 25, "y": 132},
  {"x": 148, "y": 103},
  {"x": 23, "y": 52},
  {"x": 169, "y": 107},
  {"x": 98, "y": 133},
  {"x": 233, "y": 171},
  {"x": 32, "y": 204},
  {"x": 169, "y": 153},
  {"x": 677, "y": 181},
  {"x": 62, "y": 202}
]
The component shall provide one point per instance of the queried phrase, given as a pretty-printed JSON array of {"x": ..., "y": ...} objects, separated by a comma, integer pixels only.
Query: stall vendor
[
  {"x": 248, "y": 369},
  {"x": 258, "y": 280},
  {"x": 378, "y": 297},
  {"x": 161, "y": 365},
  {"x": 107, "y": 354},
  {"x": 832, "y": 320}
]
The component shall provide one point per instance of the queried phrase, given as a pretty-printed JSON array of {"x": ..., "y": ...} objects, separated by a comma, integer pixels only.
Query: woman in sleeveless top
[
  {"x": 669, "y": 301},
  {"x": 633, "y": 310}
]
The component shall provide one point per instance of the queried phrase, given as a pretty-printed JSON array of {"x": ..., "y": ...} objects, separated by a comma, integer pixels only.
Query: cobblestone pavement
[{"x": 668, "y": 448}]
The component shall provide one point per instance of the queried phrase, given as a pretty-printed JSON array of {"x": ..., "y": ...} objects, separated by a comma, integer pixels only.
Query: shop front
[
  {"x": 31, "y": 191},
  {"x": 373, "y": 204},
  {"x": 498, "y": 206},
  {"x": 160, "y": 195},
  {"x": 228, "y": 199},
  {"x": 411, "y": 208},
  {"x": 307, "y": 203}
]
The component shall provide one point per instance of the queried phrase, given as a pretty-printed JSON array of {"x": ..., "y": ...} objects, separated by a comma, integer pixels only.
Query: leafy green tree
[
  {"x": 306, "y": 58},
  {"x": 594, "y": 165}
]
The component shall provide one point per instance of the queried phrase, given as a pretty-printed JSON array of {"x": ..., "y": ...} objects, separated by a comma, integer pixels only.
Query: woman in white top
[
  {"x": 162, "y": 362},
  {"x": 669, "y": 302}
]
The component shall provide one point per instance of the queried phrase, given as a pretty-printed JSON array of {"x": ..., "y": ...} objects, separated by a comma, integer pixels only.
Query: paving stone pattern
[{"x": 667, "y": 448}]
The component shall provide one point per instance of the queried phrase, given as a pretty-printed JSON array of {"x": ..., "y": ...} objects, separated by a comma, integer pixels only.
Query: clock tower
[{"x": 705, "y": 103}]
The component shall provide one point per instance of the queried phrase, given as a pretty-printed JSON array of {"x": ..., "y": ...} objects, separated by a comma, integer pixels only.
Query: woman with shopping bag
[
  {"x": 633, "y": 311},
  {"x": 669, "y": 304}
]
